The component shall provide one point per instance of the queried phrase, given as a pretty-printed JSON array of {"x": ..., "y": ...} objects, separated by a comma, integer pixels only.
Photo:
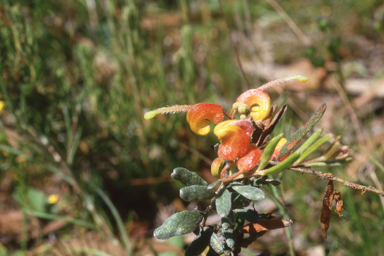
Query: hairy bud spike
[
  {"x": 167, "y": 110},
  {"x": 283, "y": 81}
]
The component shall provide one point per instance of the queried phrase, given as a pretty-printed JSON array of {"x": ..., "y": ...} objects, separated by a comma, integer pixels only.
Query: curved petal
[
  {"x": 236, "y": 135},
  {"x": 276, "y": 152},
  {"x": 198, "y": 115},
  {"x": 258, "y": 102},
  {"x": 250, "y": 160}
]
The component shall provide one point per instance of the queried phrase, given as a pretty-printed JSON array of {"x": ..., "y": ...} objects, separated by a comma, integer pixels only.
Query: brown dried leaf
[
  {"x": 268, "y": 129},
  {"x": 268, "y": 119},
  {"x": 327, "y": 209},
  {"x": 339, "y": 203},
  {"x": 266, "y": 225}
]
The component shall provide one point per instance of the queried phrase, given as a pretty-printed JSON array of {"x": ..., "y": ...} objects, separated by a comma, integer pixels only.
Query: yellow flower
[
  {"x": 1, "y": 106},
  {"x": 52, "y": 199}
]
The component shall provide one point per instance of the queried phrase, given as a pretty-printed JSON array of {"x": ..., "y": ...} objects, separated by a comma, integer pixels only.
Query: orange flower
[
  {"x": 198, "y": 115},
  {"x": 276, "y": 152},
  {"x": 250, "y": 160},
  {"x": 236, "y": 135},
  {"x": 258, "y": 102}
]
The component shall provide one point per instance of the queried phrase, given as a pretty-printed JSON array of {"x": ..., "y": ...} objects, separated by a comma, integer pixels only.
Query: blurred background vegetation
[{"x": 81, "y": 171}]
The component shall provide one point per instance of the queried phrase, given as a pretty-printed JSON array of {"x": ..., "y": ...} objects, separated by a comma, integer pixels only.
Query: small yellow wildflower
[{"x": 52, "y": 199}]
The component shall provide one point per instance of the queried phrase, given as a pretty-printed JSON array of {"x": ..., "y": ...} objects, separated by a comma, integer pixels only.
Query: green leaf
[
  {"x": 314, "y": 147},
  {"x": 285, "y": 164},
  {"x": 331, "y": 162},
  {"x": 212, "y": 185},
  {"x": 249, "y": 215},
  {"x": 268, "y": 151},
  {"x": 179, "y": 224},
  {"x": 300, "y": 133},
  {"x": 310, "y": 141},
  {"x": 186, "y": 177},
  {"x": 200, "y": 243},
  {"x": 196, "y": 193},
  {"x": 239, "y": 201},
  {"x": 216, "y": 244},
  {"x": 229, "y": 220},
  {"x": 223, "y": 203},
  {"x": 252, "y": 193},
  {"x": 333, "y": 150}
]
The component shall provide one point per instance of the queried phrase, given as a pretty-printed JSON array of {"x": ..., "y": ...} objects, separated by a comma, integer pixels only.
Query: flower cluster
[{"x": 238, "y": 152}]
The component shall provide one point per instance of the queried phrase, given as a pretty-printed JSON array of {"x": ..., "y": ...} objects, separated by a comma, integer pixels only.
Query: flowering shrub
[{"x": 246, "y": 155}]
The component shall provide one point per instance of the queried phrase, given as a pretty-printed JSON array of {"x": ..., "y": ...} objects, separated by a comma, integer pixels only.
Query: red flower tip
[
  {"x": 258, "y": 102},
  {"x": 198, "y": 115},
  {"x": 250, "y": 160},
  {"x": 276, "y": 152},
  {"x": 236, "y": 135}
]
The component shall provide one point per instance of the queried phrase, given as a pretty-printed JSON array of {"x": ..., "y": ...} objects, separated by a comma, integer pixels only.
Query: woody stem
[{"x": 328, "y": 176}]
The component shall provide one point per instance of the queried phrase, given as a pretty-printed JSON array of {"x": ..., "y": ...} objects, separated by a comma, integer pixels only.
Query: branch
[{"x": 329, "y": 176}]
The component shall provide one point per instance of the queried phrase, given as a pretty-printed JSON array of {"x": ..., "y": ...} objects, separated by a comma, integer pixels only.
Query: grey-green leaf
[
  {"x": 179, "y": 224},
  {"x": 252, "y": 193},
  {"x": 216, "y": 244},
  {"x": 212, "y": 185},
  {"x": 223, "y": 203},
  {"x": 200, "y": 243},
  {"x": 186, "y": 177},
  {"x": 196, "y": 193}
]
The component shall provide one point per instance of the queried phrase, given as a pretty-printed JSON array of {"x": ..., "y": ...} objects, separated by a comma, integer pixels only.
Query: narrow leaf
[
  {"x": 331, "y": 162},
  {"x": 252, "y": 193},
  {"x": 223, "y": 203},
  {"x": 187, "y": 177},
  {"x": 333, "y": 150},
  {"x": 285, "y": 164},
  {"x": 300, "y": 133},
  {"x": 196, "y": 193},
  {"x": 268, "y": 151},
  {"x": 314, "y": 147},
  {"x": 310, "y": 141},
  {"x": 179, "y": 224}
]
